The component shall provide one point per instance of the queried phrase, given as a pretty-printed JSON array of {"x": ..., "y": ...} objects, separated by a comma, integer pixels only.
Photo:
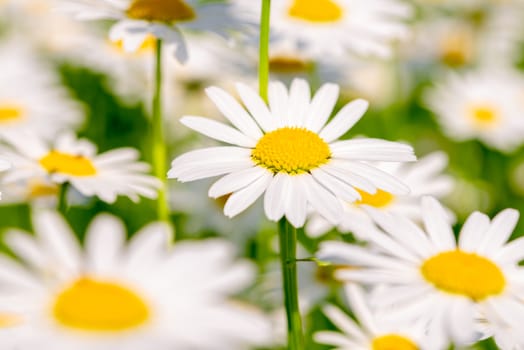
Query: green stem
[
  {"x": 288, "y": 250},
  {"x": 159, "y": 153},
  {"x": 62, "y": 205},
  {"x": 263, "y": 64}
]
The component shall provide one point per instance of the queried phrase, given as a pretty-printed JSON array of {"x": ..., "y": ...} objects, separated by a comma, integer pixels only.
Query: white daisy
[
  {"x": 486, "y": 105},
  {"x": 134, "y": 296},
  {"x": 331, "y": 27},
  {"x": 31, "y": 95},
  {"x": 164, "y": 19},
  {"x": 423, "y": 177},
  {"x": 372, "y": 332},
  {"x": 75, "y": 161},
  {"x": 288, "y": 152},
  {"x": 431, "y": 278}
]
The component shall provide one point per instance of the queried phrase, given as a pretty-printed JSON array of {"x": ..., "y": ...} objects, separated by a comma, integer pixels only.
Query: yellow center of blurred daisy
[
  {"x": 147, "y": 46},
  {"x": 10, "y": 112},
  {"x": 319, "y": 11},
  {"x": 161, "y": 10},
  {"x": 76, "y": 165},
  {"x": 100, "y": 306},
  {"x": 378, "y": 200},
  {"x": 463, "y": 273},
  {"x": 9, "y": 320},
  {"x": 38, "y": 189},
  {"x": 457, "y": 48},
  {"x": 291, "y": 150},
  {"x": 288, "y": 64},
  {"x": 393, "y": 342},
  {"x": 484, "y": 116}
]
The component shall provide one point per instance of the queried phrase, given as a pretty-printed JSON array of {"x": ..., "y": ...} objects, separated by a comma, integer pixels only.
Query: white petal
[
  {"x": 218, "y": 131},
  {"x": 321, "y": 199},
  {"x": 436, "y": 223},
  {"x": 299, "y": 96},
  {"x": 296, "y": 206},
  {"x": 321, "y": 107},
  {"x": 242, "y": 199},
  {"x": 344, "y": 120},
  {"x": 473, "y": 231},
  {"x": 104, "y": 242},
  {"x": 499, "y": 231},
  {"x": 278, "y": 101},
  {"x": 344, "y": 323},
  {"x": 235, "y": 181},
  {"x": 276, "y": 195},
  {"x": 257, "y": 107}
]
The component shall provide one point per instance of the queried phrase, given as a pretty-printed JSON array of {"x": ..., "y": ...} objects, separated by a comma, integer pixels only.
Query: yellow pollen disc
[
  {"x": 291, "y": 150},
  {"x": 161, "y": 10},
  {"x": 318, "y": 11},
  {"x": 9, "y": 320},
  {"x": 463, "y": 273},
  {"x": 76, "y": 165},
  {"x": 92, "y": 305},
  {"x": 378, "y": 200},
  {"x": 457, "y": 48},
  {"x": 287, "y": 64},
  {"x": 10, "y": 112},
  {"x": 484, "y": 116},
  {"x": 325, "y": 274},
  {"x": 393, "y": 342},
  {"x": 38, "y": 189}
]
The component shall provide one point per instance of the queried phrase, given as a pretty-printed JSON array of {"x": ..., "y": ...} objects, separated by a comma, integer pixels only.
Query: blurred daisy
[
  {"x": 31, "y": 95},
  {"x": 431, "y": 278},
  {"x": 423, "y": 177},
  {"x": 372, "y": 332},
  {"x": 133, "y": 296},
  {"x": 164, "y": 19},
  {"x": 289, "y": 153},
  {"x": 331, "y": 27},
  {"x": 486, "y": 105},
  {"x": 75, "y": 161}
]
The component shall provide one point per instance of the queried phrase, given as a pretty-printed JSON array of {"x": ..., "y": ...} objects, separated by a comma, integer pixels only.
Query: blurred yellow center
[
  {"x": 319, "y": 11},
  {"x": 393, "y": 342},
  {"x": 378, "y": 200},
  {"x": 463, "y": 273},
  {"x": 161, "y": 10},
  {"x": 457, "y": 48},
  {"x": 287, "y": 64},
  {"x": 93, "y": 305},
  {"x": 10, "y": 112},
  {"x": 147, "y": 46},
  {"x": 484, "y": 116},
  {"x": 9, "y": 320},
  {"x": 38, "y": 189},
  {"x": 291, "y": 150},
  {"x": 76, "y": 165}
]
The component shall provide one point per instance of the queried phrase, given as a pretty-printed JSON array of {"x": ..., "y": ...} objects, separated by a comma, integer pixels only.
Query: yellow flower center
[
  {"x": 76, "y": 165},
  {"x": 325, "y": 274},
  {"x": 378, "y": 200},
  {"x": 161, "y": 10},
  {"x": 9, "y": 320},
  {"x": 463, "y": 273},
  {"x": 148, "y": 46},
  {"x": 92, "y": 305},
  {"x": 291, "y": 150},
  {"x": 39, "y": 189},
  {"x": 393, "y": 342},
  {"x": 318, "y": 11},
  {"x": 287, "y": 64},
  {"x": 457, "y": 48},
  {"x": 484, "y": 116},
  {"x": 10, "y": 112}
]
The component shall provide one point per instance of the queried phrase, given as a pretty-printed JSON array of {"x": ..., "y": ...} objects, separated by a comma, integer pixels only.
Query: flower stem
[
  {"x": 159, "y": 153},
  {"x": 62, "y": 204},
  {"x": 263, "y": 64},
  {"x": 288, "y": 249}
]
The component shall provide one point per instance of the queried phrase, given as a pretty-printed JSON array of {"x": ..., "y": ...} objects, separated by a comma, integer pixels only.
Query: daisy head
[
  {"x": 432, "y": 278},
  {"x": 332, "y": 27},
  {"x": 136, "y": 19},
  {"x": 76, "y": 162},
  {"x": 288, "y": 152},
  {"x": 484, "y": 105},
  {"x": 423, "y": 177},
  {"x": 129, "y": 295},
  {"x": 371, "y": 332}
]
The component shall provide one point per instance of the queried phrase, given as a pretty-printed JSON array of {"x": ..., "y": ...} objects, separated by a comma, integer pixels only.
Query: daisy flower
[
  {"x": 423, "y": 177},
  {"x": 137, "y": 295},
  {"x": 75, "y": 161},
  {"x": 432, "y": 278},
  {"x": 164, "y": 19},
  {"x": 288, "y": 152},
  {"x": 331, "y": 27},
  {"x": 372, "y": 332},
  {"x": 31, "y": 96},
  {"x": 484, "y": 105}
]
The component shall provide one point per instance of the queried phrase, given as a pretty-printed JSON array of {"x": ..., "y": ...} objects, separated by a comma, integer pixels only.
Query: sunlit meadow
[{"x": 261, "y": 174}]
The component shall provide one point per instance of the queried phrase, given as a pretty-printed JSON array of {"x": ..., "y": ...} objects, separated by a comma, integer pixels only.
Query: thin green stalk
[
  {"x": 263, "y": 64},
  {"x": 62, "y": 204},
  {"x": 159, "y": 153},
  {"x": 288, "y": 250}
]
